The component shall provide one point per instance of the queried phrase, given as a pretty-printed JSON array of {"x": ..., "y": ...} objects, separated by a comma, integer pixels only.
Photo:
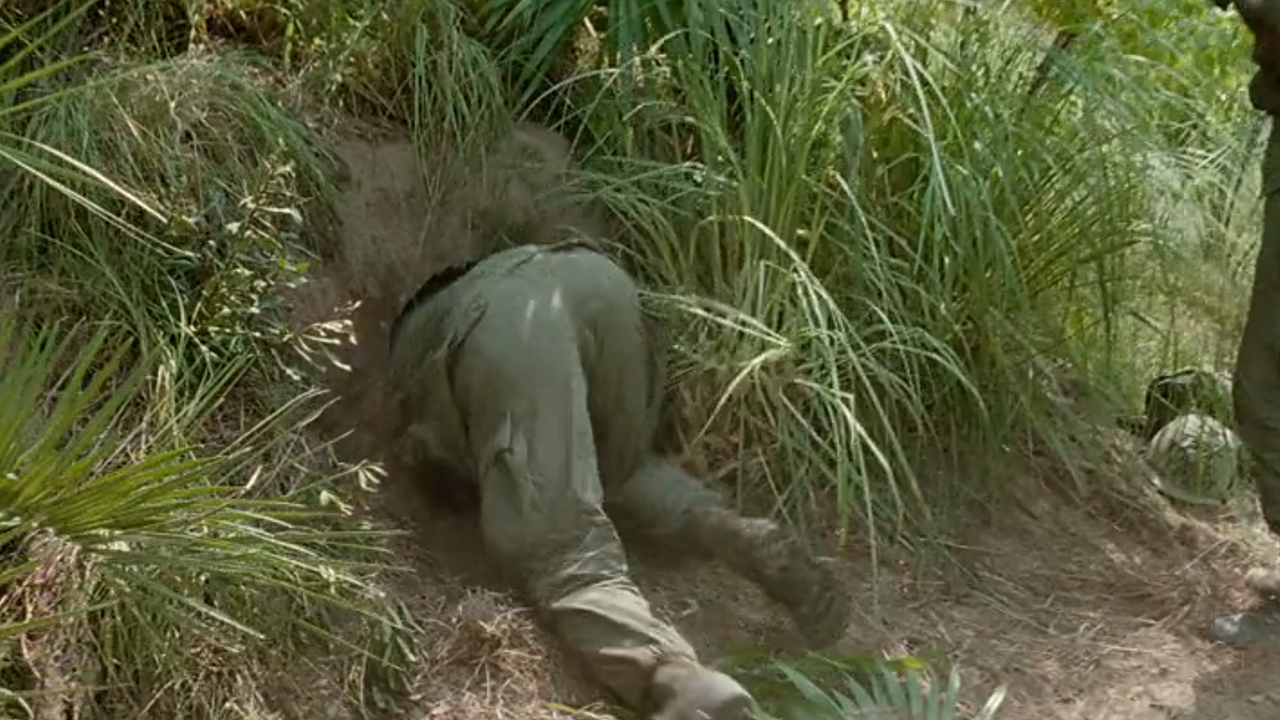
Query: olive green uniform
[
  {"x": 534, "y": 373},
  {"x": 530, "y": 373}
]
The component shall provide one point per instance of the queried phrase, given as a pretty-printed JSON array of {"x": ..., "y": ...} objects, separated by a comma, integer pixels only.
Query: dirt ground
[{"x": 1091, "y": 616}]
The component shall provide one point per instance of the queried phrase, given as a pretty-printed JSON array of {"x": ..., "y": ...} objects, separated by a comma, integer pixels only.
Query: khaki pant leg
[
  {"x": 662, "y": 498},
  {"x": 523, "y": 393},
  {"x": 1257, "y": 375},
  {"x": 626, "y": 370}
]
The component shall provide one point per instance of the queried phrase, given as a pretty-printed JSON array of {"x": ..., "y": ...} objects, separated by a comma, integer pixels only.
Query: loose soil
[{"x": 1085, "y": 615}]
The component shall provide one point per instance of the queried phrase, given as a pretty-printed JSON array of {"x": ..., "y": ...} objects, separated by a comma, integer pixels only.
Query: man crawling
[{"x": 532, "y": 372}]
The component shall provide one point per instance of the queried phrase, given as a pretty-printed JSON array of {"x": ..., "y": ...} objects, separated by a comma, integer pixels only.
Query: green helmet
[{"x": 1197, "y": 459}]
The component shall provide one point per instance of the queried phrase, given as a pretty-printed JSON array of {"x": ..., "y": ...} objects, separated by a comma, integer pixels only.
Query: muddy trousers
[
  {"x": 554, "y": 385},
  {"x": 1256, "y": 390}
]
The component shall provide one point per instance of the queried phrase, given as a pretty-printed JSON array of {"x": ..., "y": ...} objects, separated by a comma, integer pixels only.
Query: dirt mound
[
  {"x": 485, "y": 657},
  {"x": 1084, "y": 617}
]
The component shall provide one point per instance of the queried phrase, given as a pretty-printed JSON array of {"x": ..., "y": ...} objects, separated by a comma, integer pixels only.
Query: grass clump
[
  {"x": 227, "y": 199},
  {"x": 151, "y": 579},
  {"x": 886, "y": 228},
  {"x": 173, "y": 546}
]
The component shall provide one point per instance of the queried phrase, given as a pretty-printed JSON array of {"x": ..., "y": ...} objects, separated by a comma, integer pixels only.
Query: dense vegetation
[{"x": 879, "y": 231}]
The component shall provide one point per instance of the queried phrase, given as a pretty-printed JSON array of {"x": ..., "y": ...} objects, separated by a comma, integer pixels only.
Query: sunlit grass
[{"x": 878, "y": 256}]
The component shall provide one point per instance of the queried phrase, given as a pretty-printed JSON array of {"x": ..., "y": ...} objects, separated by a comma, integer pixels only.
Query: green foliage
[
  {"x": 163, "y": 578},
  {"x": 220, "y": 196},
  {"x": 538, "y": 33},
  {"x": 167, "y": 580},
  {"x": 440, "y": 80},
  {"x": 886, "y": 693},
  {"x": 823, "y": 687},
  {"x": 875, "y": 250}
]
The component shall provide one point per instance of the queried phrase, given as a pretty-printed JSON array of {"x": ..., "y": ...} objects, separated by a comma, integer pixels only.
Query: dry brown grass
[{"x": 60, "y": 656}]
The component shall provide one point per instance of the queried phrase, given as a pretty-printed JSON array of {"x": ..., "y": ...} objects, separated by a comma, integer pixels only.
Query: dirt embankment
[{"x": 1084, "y": 617}]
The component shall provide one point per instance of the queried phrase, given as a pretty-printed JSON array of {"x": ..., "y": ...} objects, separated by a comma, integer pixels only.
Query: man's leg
[
  {"x": 1257, "y": 377},
  {"x": 626, "y": 373},
  {"x": 668, "y": 502},
  {"x": 1257, "y": 392},
  {"x": 520, "y": 384}
]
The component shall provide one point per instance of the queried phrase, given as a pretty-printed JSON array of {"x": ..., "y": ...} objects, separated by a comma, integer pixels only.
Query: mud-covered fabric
[
  {"x": 536, "y": 373},
  {"x": 1256, "y": 390},
  {"x": 533, "y": 374}
]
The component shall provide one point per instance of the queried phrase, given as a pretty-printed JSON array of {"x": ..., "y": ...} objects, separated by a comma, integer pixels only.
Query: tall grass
[
  {"x": 177, "y": 200},
  {"x": 163, "y": 555},
  {"x": 145, "y": 578},
  {"x": 881, "y": 251}
]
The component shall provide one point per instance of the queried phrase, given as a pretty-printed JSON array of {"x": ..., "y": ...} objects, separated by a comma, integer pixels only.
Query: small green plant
[
  {"x": 884, "y": 692},
  {"x": 829, "y": 687}
]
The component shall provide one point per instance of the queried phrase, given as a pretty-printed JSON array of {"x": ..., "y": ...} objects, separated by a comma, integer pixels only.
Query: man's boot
[
  {"x": 775, "y": 561},
  {"x": 1257, "y": 627},
  {"x": 1248, "y": 629},
  {"x": 685, "y": 690}
]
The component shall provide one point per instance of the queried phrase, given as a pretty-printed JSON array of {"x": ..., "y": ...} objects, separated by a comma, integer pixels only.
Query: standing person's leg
[
  {"x": 1257, "y": 376},
  {"x": 520, "y": 383},
  {"x": 1256, "y": 389},
  {"x": 1257, "y": 396}
]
